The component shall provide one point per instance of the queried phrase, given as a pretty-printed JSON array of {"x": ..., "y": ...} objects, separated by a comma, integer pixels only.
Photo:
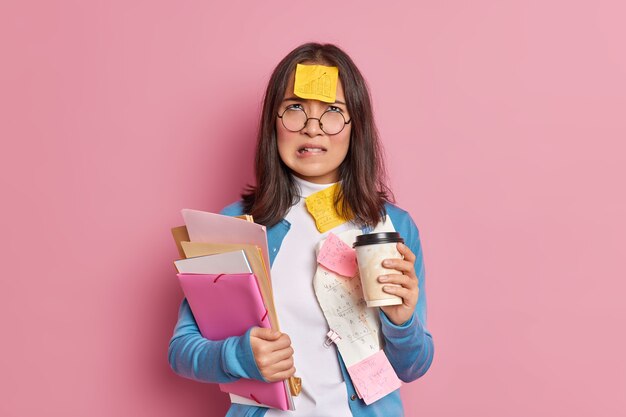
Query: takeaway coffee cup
[{"x": 371, "y": 250}]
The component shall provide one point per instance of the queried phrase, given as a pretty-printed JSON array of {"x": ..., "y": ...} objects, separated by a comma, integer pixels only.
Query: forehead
[{"x": 292, "y": 80}]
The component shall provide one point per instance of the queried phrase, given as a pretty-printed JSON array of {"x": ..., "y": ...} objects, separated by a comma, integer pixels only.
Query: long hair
[{"x": 363, "y": 191}]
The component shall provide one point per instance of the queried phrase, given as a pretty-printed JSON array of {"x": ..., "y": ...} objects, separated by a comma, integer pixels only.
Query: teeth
[{"x": 311, "y": 150}]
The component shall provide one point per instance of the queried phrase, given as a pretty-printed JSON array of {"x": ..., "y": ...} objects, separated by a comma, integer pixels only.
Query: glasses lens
[
  {"x": 332, "y": 122},
  {"x": 294, "y": 119}
]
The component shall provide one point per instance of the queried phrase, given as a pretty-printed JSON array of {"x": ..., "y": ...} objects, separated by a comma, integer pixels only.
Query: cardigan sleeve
[{"x": 192, "y": 356}]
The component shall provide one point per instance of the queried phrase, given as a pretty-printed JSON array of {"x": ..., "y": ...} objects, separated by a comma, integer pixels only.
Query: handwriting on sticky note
[
  {"x": 316, "y": 82},
  {"x": 374, "y": 377},
  {"x": 321, "y": 206},
  {"x": 338, "y": 256}
]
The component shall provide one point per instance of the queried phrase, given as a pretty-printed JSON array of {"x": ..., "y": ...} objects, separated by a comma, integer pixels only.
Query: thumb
[{"x": 265, "y": 333}]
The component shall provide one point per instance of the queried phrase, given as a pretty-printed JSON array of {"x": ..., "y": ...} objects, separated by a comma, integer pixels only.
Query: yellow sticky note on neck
[
  {"x": 316, "y": 82},
  {"x": 321, "y": 206}
]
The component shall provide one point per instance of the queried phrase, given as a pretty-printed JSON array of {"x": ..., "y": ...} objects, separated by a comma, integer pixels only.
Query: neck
[{"x": 307, "y": 187}]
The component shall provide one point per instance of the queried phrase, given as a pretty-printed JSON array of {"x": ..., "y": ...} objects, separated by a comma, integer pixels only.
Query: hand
[
  {"x": 273, "y": 354},
  {"x": 407, "y": 287}
]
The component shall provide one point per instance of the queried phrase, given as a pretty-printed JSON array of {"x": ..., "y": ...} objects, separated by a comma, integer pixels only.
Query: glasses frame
[{"x": 280, "y": 116}]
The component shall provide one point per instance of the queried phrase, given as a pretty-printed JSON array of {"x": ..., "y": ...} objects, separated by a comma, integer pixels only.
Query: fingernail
[
  {"x": 386, "y": 263},
  {"x": 382, "y": 278}
]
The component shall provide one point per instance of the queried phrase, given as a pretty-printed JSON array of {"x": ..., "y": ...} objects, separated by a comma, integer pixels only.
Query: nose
[{"x": 312, "y": 128}]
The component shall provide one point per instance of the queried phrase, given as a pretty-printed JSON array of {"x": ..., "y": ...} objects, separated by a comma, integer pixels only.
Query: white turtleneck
[{"x": 323, "y": 388}]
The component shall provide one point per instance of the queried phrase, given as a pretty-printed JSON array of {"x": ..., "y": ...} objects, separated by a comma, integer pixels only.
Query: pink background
[{"x": 503, "y": 124}]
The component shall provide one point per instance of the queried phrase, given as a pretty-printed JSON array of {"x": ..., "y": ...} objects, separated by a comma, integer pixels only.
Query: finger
[
  {"x": 281, "y": 376},
  {"x": 281, "y": 343},
  {"x": 403, "y": 280},
  {"x": 279, "y": 367},
  {"x": 406, "y": 252},
  {"x": 408, "y": 296},
  {"x": 401, "y": 265},
  {"x": 267, "y": 359},
  {"x": 281, "y": 355},
  {"x": 265, "y": 333}
]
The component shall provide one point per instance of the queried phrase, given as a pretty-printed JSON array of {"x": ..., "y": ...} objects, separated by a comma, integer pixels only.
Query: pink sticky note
[
  {"x": 338, "y": 256},
  {"x": 374, "y": 377}
]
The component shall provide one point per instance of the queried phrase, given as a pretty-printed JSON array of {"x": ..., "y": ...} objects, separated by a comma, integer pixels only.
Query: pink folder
[{"x": 227, "y": 305}]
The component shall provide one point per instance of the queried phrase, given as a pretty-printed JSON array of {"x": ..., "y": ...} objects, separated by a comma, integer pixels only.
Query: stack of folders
[{"x": 225, "y": 277}]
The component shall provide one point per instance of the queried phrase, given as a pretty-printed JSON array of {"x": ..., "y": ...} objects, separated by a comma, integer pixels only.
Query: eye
[
  {"x": 294, "y": 107},
  {"x": 334, "y": 109}
]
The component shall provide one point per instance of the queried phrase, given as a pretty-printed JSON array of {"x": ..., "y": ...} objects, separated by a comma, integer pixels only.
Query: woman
[{"x": 304, "y": 146}]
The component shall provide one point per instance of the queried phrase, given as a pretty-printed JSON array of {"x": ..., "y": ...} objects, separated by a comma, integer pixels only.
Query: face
[{"x": 310, "y": 153}]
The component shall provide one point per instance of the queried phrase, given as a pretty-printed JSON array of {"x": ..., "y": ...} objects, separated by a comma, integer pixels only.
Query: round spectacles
[{"x": 295, "y": 119}]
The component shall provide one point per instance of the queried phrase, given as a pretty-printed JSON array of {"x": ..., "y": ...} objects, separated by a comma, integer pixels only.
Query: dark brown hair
[{"x": 363, "y": 192}]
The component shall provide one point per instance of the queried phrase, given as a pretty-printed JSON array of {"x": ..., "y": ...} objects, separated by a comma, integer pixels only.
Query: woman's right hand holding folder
[{"x": 273, "y": 354}]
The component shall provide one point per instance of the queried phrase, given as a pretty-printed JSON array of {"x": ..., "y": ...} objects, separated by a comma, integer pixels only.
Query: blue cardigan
[{"x": 409, "y": 346}]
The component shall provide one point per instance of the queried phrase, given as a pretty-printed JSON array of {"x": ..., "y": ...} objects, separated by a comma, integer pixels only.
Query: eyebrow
[{"x": 302, "y": 100}]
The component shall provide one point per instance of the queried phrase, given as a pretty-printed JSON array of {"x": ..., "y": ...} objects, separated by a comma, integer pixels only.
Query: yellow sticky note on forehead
[
  {"x": 316, "y": 82},
  {"x": 321, "y": 206}
]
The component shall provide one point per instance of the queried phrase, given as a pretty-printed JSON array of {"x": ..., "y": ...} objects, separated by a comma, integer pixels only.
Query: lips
[{"x": 310, "y": 149}]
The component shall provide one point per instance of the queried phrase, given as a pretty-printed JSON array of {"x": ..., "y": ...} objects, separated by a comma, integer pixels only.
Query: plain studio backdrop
[{"x": 504, "y": 127}]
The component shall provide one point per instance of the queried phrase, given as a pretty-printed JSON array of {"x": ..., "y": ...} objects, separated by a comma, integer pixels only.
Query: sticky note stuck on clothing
[
  {"x": 374, "y": 377},
  {"x": 316, "y": 82},
  {"x": 338, "y": 256},
  {"x": 321, "y": 206}
]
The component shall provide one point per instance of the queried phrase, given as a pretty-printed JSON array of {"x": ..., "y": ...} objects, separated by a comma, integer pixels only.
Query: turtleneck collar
[{"x": 307, "y": 188}]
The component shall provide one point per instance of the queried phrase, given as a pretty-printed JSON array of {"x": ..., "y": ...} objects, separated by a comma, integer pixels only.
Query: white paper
[{"x": 234, "y": 262}]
